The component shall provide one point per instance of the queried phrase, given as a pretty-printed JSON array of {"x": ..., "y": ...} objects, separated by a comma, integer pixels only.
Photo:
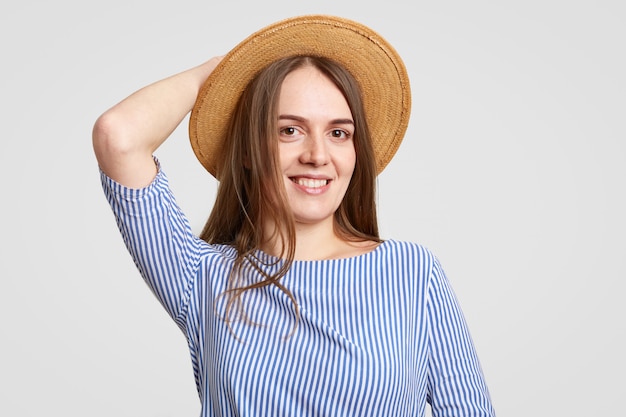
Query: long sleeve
[
  {"x": 159, "y": 239},
  {"x": 456, "y": 383}
]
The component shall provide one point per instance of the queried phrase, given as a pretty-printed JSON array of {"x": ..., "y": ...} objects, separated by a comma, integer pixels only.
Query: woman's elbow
[{"x": 109, "y": 138}]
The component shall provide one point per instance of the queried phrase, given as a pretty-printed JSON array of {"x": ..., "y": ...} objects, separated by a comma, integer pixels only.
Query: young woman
[{"x": 289, "y": 299}]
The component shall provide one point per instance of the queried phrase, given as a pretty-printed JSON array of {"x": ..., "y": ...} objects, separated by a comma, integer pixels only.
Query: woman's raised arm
[{"x": 126, "y": 135}]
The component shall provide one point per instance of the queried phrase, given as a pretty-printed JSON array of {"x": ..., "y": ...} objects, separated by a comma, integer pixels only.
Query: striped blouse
[{"x": 380, "y": 334}]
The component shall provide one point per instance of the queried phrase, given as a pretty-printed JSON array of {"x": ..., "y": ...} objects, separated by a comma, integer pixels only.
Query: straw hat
[{"x": 372, "y": 61}]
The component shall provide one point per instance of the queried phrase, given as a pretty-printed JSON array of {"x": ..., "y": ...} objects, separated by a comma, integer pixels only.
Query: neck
[{"x": 318, "y": 241}]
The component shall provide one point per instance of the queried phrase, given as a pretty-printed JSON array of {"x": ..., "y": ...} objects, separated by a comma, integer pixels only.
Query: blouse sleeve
[
  {"x": 456, "y": 384},
  {"x": 159, "y": 239}
]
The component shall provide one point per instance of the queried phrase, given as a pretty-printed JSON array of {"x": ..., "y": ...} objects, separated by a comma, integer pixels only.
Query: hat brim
[{"x": 371, "y": 60}]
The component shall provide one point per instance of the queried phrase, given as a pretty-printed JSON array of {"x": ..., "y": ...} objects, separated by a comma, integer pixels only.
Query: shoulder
[
  {"x": 407, "y": 258},
  {"x": 406, "y": 249}
]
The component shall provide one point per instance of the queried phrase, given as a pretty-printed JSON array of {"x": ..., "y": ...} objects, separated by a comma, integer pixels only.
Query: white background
[{"x": 512, "y": 171}]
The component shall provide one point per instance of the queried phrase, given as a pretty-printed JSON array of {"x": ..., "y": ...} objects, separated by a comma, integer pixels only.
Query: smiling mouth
[{"x": 310, "y": 182}]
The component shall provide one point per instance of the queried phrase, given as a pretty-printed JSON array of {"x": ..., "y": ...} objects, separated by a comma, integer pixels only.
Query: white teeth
[{"x": 311, "y": 183}]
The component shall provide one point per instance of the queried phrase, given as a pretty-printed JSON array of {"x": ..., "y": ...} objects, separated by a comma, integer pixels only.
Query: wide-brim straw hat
[{"x": 371, "y": 60}]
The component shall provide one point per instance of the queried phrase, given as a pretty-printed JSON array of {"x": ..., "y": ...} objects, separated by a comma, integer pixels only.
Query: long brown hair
[{"x": 251, "y": 188}]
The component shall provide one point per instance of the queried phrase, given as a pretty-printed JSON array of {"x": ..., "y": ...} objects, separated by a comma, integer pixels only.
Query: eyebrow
[{"x": 302, "y": 119}]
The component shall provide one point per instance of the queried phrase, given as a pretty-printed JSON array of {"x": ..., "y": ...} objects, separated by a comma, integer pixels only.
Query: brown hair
[{"x": 251, "y": 187}]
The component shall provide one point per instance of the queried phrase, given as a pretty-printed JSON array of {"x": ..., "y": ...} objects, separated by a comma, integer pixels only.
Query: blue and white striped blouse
[{"x": 379, "y": 334}]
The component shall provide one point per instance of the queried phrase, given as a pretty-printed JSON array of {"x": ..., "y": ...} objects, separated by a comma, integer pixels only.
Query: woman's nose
[{"x": 315, "y": 151}]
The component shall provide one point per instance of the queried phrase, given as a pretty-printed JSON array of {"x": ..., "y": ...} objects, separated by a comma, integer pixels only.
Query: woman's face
[{"x": 316, "y": 147}]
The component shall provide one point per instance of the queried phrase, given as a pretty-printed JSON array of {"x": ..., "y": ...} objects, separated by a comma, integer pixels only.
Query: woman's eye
[
  {"x": 339, "y": 134},
  {"x": 289, "y": 131}
]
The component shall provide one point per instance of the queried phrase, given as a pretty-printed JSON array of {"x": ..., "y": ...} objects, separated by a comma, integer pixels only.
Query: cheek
[
  {"x": 348, "y": 161},
  {"x": 285, "y": 157}
]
